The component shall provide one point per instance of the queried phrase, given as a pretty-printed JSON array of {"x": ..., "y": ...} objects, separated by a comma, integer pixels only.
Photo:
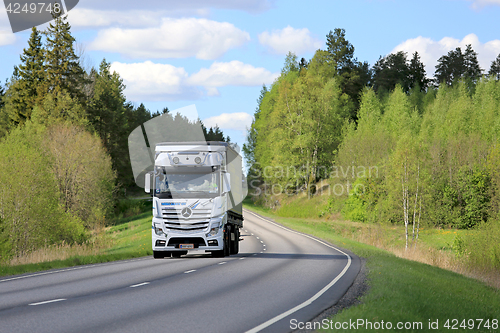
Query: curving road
[{"x": 278, "y": 275}]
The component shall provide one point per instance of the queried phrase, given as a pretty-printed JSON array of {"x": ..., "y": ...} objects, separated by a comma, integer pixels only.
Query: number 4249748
[
  {"x": 455, "y": 324},
  {"x": 33, "y": 8}
]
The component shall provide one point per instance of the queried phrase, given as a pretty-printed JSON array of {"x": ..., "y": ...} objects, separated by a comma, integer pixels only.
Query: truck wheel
[
  {"x": 158, "y": 254},
  {"x": 234, "y": 241},
  {"x": 227, "y": 241},
  {"x": 225, "y": 245}
]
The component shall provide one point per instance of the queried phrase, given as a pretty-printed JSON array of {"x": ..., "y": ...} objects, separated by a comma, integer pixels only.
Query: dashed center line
[
  {"x": 140, "y": 284},
  {"x": 222, "y": 263},
  {"x": 47, "y": 302},
  {"x": 191, "y": 271}
]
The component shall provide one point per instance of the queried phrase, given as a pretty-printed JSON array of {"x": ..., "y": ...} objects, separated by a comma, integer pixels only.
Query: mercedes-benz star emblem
[{"x": 186, "y": 212}]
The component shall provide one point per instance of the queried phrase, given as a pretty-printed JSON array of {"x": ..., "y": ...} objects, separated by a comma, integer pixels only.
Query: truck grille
[
  {"x": 174, "y": 222},
  {"x": 170, "y": 214}
]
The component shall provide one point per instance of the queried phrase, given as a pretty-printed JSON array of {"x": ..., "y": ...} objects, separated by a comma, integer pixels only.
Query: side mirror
[
  {"x": 147, "y": 183},
  {"x": 226, "y": 184}
]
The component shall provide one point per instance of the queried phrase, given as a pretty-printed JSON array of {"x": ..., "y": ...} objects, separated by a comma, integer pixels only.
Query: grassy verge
[
  {"x": 402, "y": 290},
  {"x": 129, "y": 237}
]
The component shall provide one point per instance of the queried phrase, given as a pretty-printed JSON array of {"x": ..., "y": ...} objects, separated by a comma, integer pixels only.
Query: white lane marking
[
  {"x": 242, "y": 258},
  {"x": 51, "y": 301},
  {"x": 191, "y": 271},
  {"x": 257, "y": 237},
  {"x": 313, "y": 298},
  {"x": 222, "y": 263},
  {"x": 251, "y": 233},
  {"x": 139, "y": 285},
  {"x": 73, "y": 269},
  {"x": 44, "y": 273},
  {"x": 262, "y": 242},
  {"x": 246, "y": 230}
]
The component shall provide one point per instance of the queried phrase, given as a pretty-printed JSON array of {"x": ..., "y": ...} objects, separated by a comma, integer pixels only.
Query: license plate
[{"x": 186, "y": 246}]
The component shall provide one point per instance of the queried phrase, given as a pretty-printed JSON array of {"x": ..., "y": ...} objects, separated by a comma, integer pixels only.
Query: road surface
[{"x": 279, "y": 275}]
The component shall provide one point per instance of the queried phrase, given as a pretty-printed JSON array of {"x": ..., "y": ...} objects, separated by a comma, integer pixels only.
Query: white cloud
[
  {"x": 176, "y": 38},
  {"x": 478, "y": 4},
  {"x": 7, "y": 37},
  {"x": 190, "y": 7},
  {"x": 148, "y": 81},
  {"x": 234, "y": 73},
  {"x": 289, "y": 39},
  {"x": 239, "y": 121},
  {"x": 83, "y": 17},
  {"x": 152, "y": 82},
  {"x": 430, "y": 51}
]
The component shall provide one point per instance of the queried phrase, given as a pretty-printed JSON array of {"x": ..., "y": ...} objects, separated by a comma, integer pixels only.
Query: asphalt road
[{"x": 279, "y": 275}]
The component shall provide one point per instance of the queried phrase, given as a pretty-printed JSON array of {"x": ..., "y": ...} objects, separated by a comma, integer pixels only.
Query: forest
[
  {"x": 64, "y": 144},
  {"x": 393, "y": 145}
]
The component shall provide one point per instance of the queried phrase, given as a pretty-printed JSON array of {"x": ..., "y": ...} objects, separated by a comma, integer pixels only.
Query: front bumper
[{"x": 171, "y": 241}]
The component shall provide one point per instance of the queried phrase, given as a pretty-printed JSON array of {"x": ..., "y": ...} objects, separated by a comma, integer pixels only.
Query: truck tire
[
  {"x": 225, "y": 245},
  {"x": 227, "y": 241},
  {"x": 158, "y": 254},
  {"x": 237, "y": 241},
  {"x": 234, "y": 240}
]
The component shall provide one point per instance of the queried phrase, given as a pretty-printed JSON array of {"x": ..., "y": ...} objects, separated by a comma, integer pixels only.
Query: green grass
[
  {"x": 402, "y": 290},
  {"x": 130, "y": 238}
]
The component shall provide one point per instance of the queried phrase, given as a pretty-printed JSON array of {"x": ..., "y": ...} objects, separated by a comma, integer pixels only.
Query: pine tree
[
  {"x": 494, "y": 71},
  {"x": 417, "y": 73},
  {"x": 106, "y": 113},
  {"x": 4, "y": 117},
  {"x": 27, "y": 78},
  {"x": 249, "y": 147},
  {"x": 2, "y": 96},
  {"x": 471, "y": 64},
  {"x": 340, "y": 49},
  {"x": 450, "y": 67},
  {"x": 63, "y": 69},
  {"x": 391, "y": 70}
]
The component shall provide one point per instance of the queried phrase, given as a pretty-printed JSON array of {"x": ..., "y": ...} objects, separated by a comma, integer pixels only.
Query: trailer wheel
[{"x": 237, "y": 241}]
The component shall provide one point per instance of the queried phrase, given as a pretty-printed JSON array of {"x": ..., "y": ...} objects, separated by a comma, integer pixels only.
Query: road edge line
[{"x": 313, "y": 298}]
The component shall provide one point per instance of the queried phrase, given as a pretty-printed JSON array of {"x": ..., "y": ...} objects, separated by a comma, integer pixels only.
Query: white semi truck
[{"x": 198, "y": 189}]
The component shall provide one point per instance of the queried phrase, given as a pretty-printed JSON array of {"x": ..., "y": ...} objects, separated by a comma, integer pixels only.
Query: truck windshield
[{"x": 178, "y": 183}]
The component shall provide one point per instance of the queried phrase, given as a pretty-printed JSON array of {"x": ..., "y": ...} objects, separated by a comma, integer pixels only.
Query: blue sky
[{"x": 216, "y": 54}]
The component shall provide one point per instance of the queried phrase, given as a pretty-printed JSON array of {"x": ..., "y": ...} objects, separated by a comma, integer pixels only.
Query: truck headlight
[
  {"x": 213, "y": 231},
  {"x": 158, "y": 229},
  {"x": 215, "y": 224}
]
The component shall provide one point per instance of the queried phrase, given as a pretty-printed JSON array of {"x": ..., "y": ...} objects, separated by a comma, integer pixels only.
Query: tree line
[
  {"x": 63, "y": 144},
  {"x": 434, "y": 142}
]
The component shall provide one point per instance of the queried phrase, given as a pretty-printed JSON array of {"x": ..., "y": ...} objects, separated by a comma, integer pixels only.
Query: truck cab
[{"x": 197, "y": 193}]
